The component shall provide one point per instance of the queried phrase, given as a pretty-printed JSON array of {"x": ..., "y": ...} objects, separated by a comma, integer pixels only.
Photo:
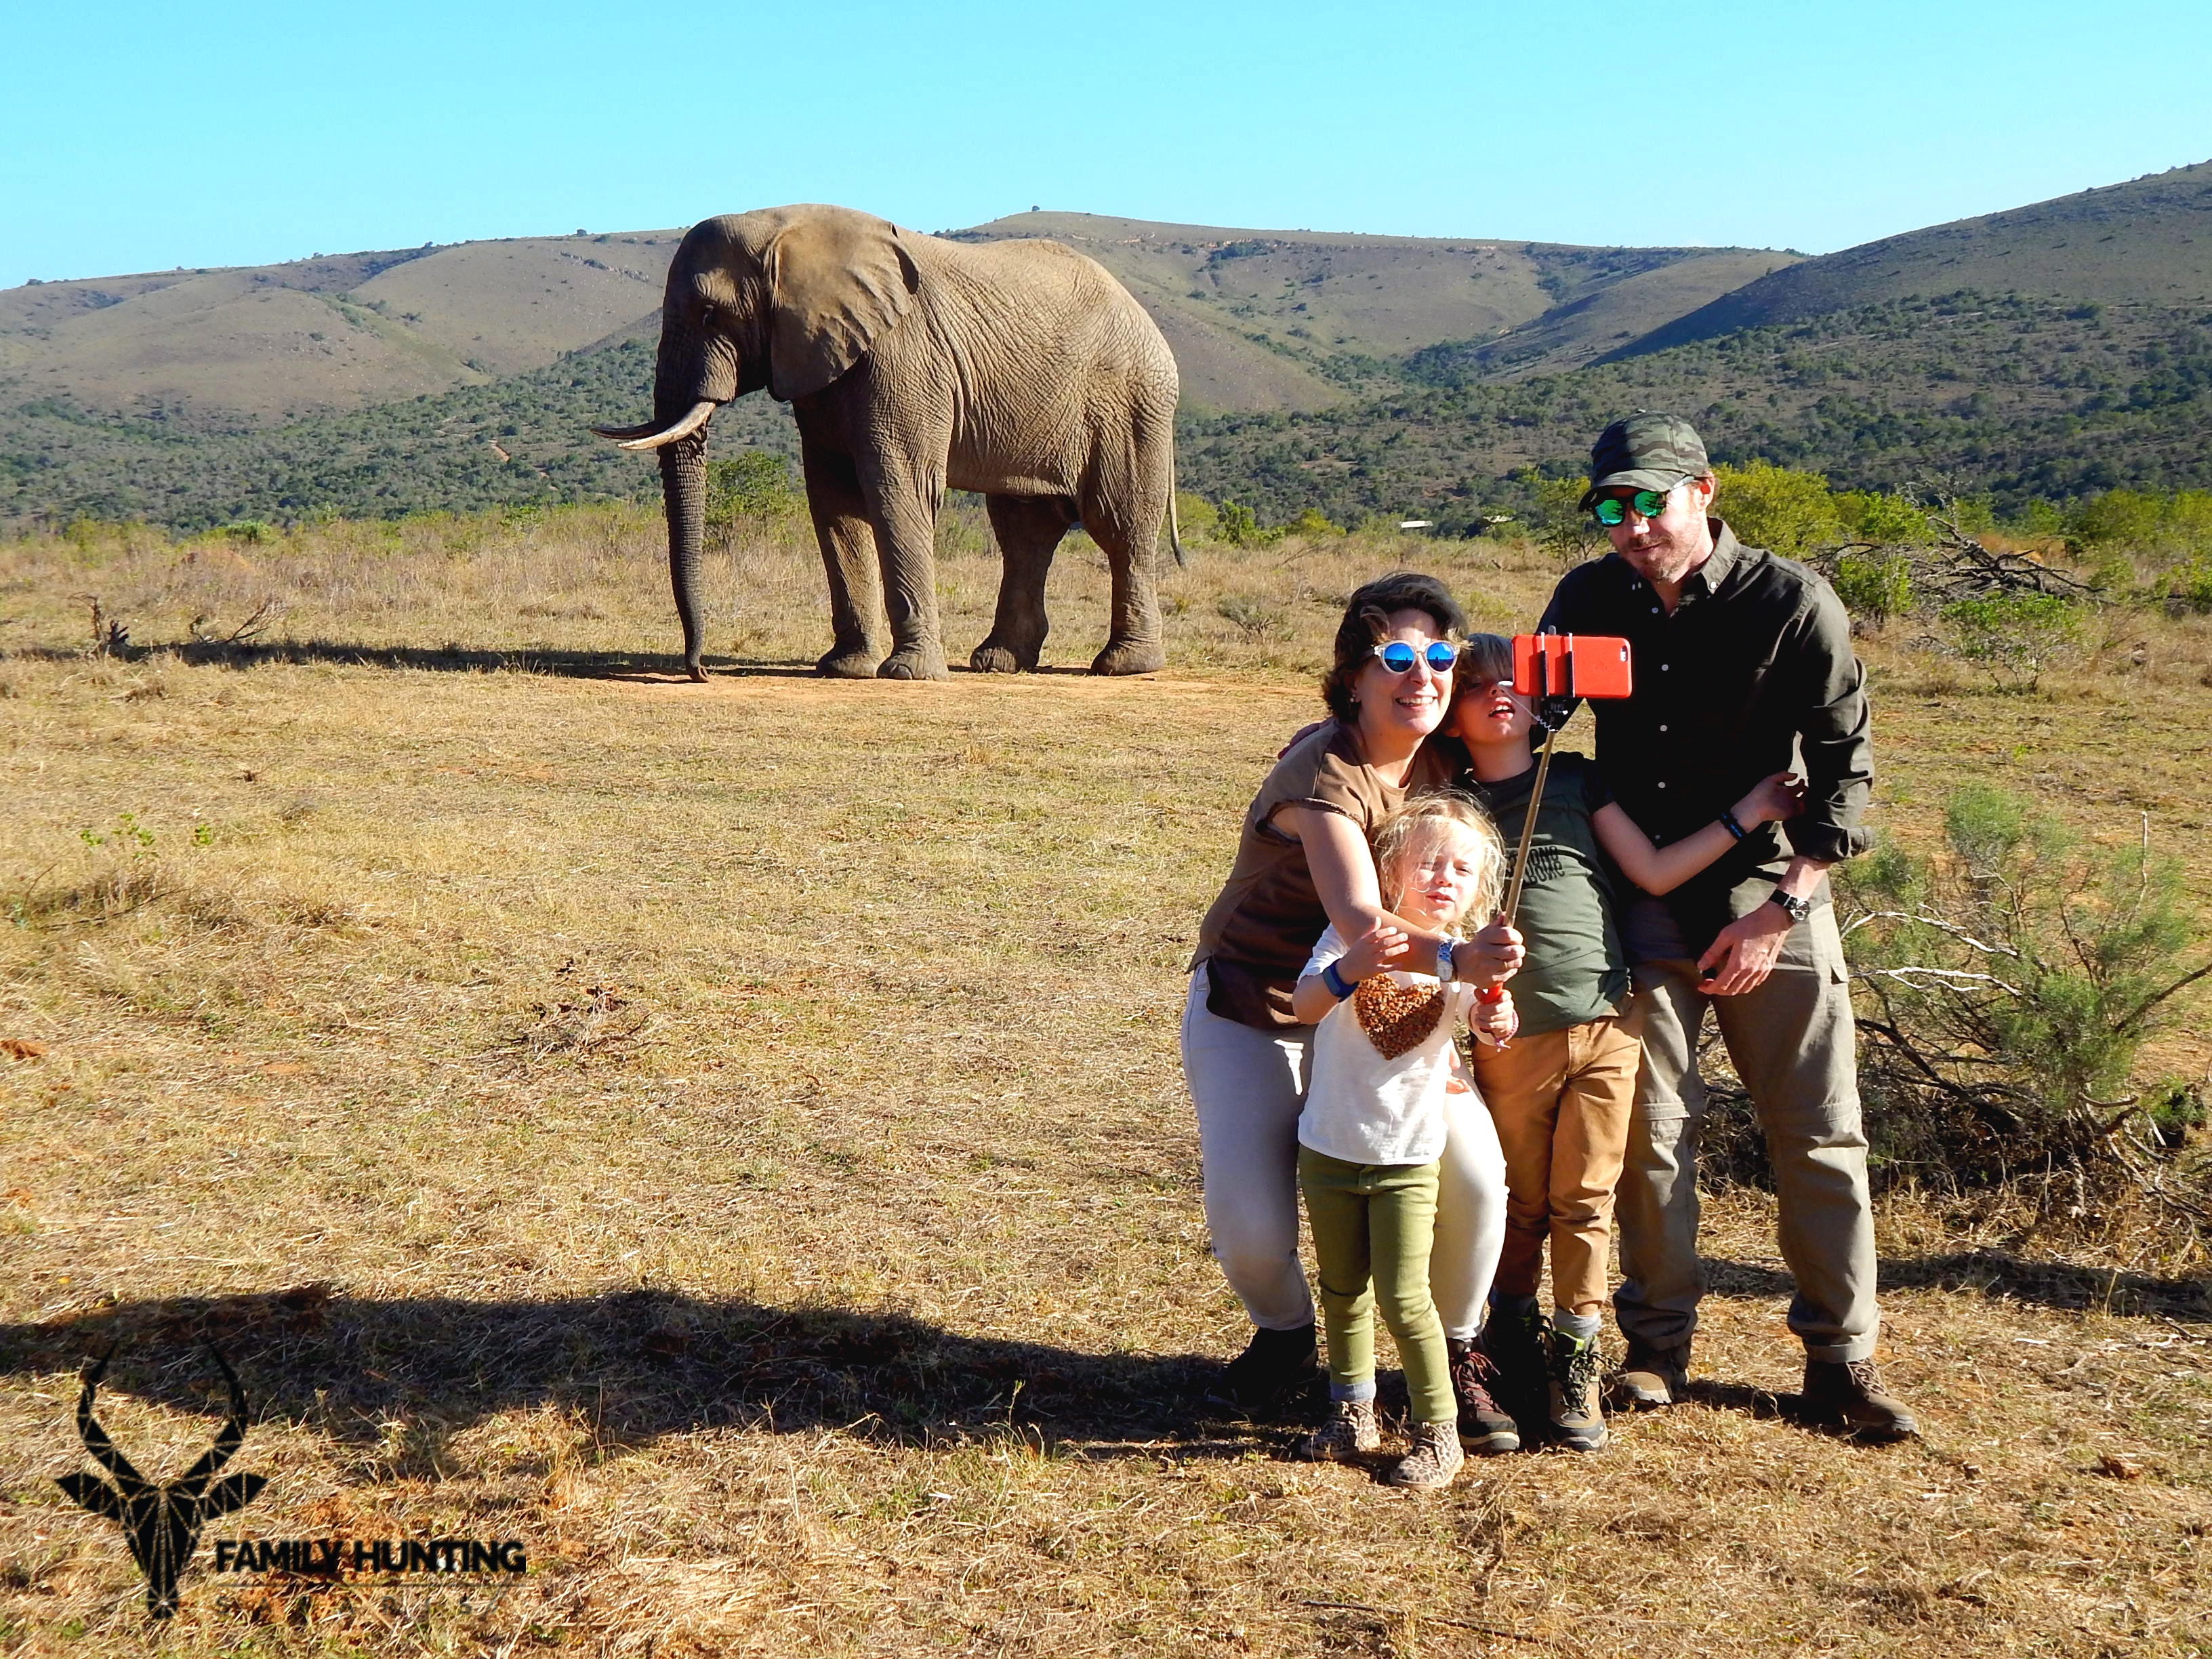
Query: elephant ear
[{"x": 836, "y": 282}]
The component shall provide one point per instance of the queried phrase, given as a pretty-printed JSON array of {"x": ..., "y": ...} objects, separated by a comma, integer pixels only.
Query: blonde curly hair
[{"x": 1425, "y": 814}]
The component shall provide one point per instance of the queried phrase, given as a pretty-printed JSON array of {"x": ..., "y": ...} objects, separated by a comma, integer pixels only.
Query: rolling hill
[
  {"x": 2147, "y": 242},
  {"x": 1970, "y": 393},
  {"x": 1259, "y": 319},
  {"x": 2048, "y": 351},
  {"x": 223, "y": 350},
  {"x": 1295, "y": 319}
]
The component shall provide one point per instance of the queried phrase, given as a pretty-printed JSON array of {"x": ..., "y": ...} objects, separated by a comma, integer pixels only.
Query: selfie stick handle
[{"x": 1528, "y": 831}]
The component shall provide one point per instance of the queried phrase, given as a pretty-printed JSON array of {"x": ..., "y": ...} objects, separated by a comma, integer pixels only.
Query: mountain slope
[
  {"x": 1294, "y": 318},
  {"x": 232, "y": 348},
  {"x": 2011, "y": 396},
  {"x": 2145, "y": 242},
  {"x": 1273, "y": 320}
]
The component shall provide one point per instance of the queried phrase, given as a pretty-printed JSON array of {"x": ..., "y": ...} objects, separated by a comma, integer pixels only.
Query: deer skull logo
[{"x": 162, "y": 1520}]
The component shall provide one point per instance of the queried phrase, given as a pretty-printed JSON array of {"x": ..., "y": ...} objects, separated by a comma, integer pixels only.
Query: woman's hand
[
  {"x": 1771, "y": 800},
  {"x": 1494, "y": 1022},
  {"x": 1491, "y": 956},
  {"x": 1373, "y": 951},
  {"x": 1300, "y": 736}
]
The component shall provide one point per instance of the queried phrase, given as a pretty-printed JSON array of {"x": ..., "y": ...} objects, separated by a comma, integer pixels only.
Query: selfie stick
[{"x": 1495, "y": 993}]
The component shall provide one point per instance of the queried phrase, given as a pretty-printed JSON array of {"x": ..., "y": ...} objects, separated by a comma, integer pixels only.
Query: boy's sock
[
  {"x": 1522, "y": 1305},
  {"x": 1581, "y": 1326}
]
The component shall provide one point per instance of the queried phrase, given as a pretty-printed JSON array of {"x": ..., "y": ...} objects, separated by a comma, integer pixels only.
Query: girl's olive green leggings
[{"x": 1373, "y": 1225}]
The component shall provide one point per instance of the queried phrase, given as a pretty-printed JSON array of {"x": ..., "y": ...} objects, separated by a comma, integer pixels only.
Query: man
[{"x": 1743, "y": 666}]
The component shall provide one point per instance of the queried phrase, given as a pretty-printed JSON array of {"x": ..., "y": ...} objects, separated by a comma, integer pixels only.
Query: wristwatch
[
  {"x": 1796, "y": 908},
  {"x": 1444, "y": 971}
]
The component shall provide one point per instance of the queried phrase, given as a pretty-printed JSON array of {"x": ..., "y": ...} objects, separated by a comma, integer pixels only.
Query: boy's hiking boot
[
  {"x": 1273, "y": 1364},
  {"x": 1483, "y": 1425},
  {"x": 1848, "y": 1394},
  {"x": 1651, "y": 1377},
  {"x": 1513, "y": 1342},
  {"x": 1433, "y": 1459},
  {"x": 1350, "y": 1428},
  {"x": 1577, "y": 1422}
]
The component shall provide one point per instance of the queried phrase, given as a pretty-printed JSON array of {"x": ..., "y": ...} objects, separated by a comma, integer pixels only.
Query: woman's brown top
[{"x": 1261, "y": 929}]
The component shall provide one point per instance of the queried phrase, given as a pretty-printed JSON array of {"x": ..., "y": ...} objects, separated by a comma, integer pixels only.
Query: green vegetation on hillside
[
  {"x": 1969, "y": 393},
  {"x": 520, "y": 442}
]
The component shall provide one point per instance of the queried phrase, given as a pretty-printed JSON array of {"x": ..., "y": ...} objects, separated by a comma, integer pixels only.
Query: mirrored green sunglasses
[
  {"x": 1648, "y": 504},
  {"x": 1397, "y": 656}
]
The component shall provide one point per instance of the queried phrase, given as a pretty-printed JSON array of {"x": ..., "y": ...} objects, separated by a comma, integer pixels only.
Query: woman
[{"x": 1303, "y": 864}]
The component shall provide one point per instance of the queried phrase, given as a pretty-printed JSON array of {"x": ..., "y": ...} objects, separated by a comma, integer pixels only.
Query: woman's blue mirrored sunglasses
[{"x": 1397, "y": 656}]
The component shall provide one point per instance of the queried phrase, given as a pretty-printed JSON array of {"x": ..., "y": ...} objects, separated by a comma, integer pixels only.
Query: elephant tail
[{"x": 1175, "y": 528}]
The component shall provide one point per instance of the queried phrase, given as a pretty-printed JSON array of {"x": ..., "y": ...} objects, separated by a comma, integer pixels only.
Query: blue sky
[{"x": 138, "y": 137}]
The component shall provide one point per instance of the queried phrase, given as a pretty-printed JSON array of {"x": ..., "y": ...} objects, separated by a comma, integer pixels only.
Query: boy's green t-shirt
[{"x": 1577, "y": 970}]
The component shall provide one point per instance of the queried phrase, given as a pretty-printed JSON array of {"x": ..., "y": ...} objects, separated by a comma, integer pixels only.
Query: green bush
[
  {"x": 750, "y": 484},
  {"x": 1240, "y": 527},
  {"x": 2124, "y": 517},
  {"x": 1310, "y": 522},
  {"x": 1876, "y": 586},
  {"x": 2189, "y": 586},
  {"x": 1567, "y": 533},
  {"x": 2014, "y": 635},
  {"x": 1773, "y": 507},
  {"x": 2008, "y": 983},
  {"x": 1196, "y": 517},
  {"x": 1884, "y": 520}
]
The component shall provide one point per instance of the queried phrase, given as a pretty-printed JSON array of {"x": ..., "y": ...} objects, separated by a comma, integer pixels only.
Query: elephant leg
[
  {"x": 904, "y": 504},
  {"x": 1027, "y": 529},
  {"x": 906, "y": 550},
  {"x": 1134, "y": 644},
  {"x": 848, "y": 555}
]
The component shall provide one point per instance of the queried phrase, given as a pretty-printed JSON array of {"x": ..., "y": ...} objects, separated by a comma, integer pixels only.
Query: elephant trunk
[{"x": 683, "y": 497}]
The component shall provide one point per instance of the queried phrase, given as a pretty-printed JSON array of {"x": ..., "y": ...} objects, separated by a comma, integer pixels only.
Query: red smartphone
[{"x": 1570, "y": 665}]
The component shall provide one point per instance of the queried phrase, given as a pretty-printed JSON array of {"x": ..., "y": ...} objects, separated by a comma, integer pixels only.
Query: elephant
[{"x": 1020, "y": 370}]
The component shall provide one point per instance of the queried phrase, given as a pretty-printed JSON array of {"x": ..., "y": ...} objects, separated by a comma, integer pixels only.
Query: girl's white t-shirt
[{"x": 1364, "y": 1107}]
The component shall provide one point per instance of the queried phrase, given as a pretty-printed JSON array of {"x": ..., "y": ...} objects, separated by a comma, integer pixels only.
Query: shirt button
[
  {"x": 1662, "y": 728},
  {"x": 1655, "y": 610},
  {"x": 1663, "y": 667},
  {"x": 1662, "y": 786}
]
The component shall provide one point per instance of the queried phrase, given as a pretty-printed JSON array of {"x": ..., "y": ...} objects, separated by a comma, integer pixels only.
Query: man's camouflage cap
[{"x": 1645, "y": 451}]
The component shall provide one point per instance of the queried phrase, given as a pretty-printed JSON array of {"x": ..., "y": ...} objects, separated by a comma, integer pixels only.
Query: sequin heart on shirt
[{"x": 1396, "y": 1017}]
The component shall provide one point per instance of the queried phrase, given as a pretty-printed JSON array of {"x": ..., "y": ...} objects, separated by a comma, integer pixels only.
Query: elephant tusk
[
  {"x": 647, "y": 438},
  {"x": 619, "y": 433}
]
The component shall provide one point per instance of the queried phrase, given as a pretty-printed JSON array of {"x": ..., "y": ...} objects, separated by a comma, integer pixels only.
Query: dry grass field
[{"x": 730, "y": 1138}]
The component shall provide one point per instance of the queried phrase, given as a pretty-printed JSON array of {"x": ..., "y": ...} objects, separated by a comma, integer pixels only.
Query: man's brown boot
[
  {"x": 1651, "y": 1377},
  {"x": 1849, "y": 1395}
]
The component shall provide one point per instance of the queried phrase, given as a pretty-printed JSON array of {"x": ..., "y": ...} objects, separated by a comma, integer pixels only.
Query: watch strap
[{"x": 1795, "y": 909}]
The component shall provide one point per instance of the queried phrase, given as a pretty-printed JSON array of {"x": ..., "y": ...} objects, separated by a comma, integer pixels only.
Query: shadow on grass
[
  {"x": 2002, "y": 1276},
  {"x": 642, "y": 665},
  {"x": 645, "y": 667},
  {"x": 637, "y": 1365}
]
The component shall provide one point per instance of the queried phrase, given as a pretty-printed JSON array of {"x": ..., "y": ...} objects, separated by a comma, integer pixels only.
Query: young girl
[
  {"x": 1374, "y": 1124},
  {"x": 1561, "y": 1091}
]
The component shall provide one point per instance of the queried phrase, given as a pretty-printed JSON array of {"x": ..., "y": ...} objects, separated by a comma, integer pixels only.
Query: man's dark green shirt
[{"x": 1752, "y": 673}]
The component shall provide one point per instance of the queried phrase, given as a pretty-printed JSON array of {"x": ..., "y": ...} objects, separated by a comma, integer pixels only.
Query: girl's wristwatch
[
  {"x": 1444, "y": 961},
  {"x": 1796, "y": 908}
]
